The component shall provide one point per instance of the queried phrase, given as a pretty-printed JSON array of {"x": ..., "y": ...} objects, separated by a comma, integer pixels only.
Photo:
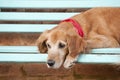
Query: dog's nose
[{"x": 50, "y": 62}]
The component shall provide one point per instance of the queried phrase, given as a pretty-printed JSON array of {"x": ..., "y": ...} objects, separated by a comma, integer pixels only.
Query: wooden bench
[{"x": 30, "y": 53}]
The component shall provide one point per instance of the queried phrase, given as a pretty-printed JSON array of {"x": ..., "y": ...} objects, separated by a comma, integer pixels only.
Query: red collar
[{"x": 76, "y": 25}]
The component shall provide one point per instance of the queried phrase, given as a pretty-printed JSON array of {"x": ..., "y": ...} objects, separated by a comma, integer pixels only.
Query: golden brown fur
[{"x": 101, "y": 27}]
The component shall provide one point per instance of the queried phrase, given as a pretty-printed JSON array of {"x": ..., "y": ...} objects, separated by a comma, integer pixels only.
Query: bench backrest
[{"x": 30, "y": 53}]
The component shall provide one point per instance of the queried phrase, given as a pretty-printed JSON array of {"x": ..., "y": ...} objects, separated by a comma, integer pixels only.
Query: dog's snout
[{"x": 50, "y": 62}]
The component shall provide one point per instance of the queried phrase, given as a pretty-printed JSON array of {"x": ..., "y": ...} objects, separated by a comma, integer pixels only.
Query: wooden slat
[
  {"x": 106, "y": 50},
  {"x": 22, "y": 57},
  {"x": 84, "y": 58},
  {"x": 34, "y": 16},
  {"x": 92, "y": 58},
  {"x": 25, "y": 27},
  {"x": 30, "y": 54},
  {"x": 58, "y": 3},
  {"x": 33, "y": 49},
  {"x": 18, "y": 49}
]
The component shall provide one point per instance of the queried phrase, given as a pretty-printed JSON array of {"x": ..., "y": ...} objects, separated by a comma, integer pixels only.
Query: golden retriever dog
[{"x": 98, "y": 28}]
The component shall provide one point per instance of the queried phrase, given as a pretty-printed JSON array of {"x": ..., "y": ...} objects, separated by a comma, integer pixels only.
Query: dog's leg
[
  {"x": 70, "y": 61},
  {"x": 101, "y": 41}
]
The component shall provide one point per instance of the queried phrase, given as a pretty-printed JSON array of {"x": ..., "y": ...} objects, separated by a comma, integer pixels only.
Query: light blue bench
[{"x": 30, "y": 53}]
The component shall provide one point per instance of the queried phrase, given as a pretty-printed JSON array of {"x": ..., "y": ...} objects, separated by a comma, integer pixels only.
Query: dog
[{"x": 94, "y": 28}]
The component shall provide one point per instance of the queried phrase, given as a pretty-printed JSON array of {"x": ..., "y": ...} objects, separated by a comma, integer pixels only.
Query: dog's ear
[
  {"x": 76, "y": 45},
  {"x": 41, "y": 42}
]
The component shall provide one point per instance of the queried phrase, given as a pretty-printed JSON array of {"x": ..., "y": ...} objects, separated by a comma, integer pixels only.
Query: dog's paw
[{"x": 69, "y": 62}]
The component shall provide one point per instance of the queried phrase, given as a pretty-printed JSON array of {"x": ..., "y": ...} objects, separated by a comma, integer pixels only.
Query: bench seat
[{"x": 25, "y": 54}]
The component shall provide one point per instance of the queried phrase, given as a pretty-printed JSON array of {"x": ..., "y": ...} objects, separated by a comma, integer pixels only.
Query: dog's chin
[{"x": 53, "y": 67}]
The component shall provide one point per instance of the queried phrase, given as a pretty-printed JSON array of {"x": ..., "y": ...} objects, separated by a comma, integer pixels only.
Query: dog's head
[{"x": 61, "y": 46}]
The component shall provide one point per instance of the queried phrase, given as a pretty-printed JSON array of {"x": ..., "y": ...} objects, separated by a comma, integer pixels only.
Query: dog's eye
[
  {"x": 48, "y": 46},
  {"x": 61, "y": 45}
]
